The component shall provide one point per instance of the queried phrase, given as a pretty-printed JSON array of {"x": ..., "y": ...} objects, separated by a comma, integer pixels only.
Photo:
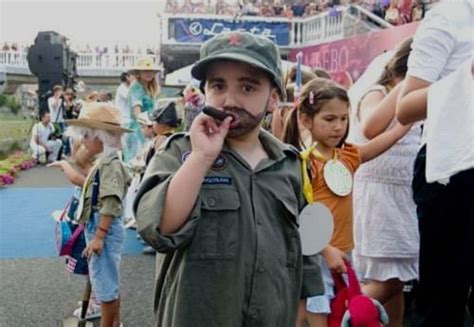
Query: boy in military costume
[{"x": 221, "y": 203}]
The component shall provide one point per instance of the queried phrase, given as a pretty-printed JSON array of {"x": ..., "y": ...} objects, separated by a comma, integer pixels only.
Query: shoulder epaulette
[{"x": 172, "y": 138}]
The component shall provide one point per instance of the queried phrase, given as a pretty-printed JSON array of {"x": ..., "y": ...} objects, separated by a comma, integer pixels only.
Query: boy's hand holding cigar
[{"x": 208, "y": 132}]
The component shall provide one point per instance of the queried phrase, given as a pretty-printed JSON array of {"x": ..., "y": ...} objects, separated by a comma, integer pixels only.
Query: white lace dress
[{"x": 385, "y": 224}]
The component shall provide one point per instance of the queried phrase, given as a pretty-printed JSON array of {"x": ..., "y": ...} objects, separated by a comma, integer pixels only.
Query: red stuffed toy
[{"x": 350, "y": 308}]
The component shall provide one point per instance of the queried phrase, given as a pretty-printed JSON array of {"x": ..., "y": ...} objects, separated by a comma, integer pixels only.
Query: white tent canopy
[{"x": 183, "y": 77}]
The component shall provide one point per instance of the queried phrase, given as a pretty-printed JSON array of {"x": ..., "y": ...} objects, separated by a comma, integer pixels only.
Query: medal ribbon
[
  {"x": 307, "y": 187},
  {"x": 304, "y": 155}
]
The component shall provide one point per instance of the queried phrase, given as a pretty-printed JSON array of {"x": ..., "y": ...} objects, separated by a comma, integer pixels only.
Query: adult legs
[
  {"x": 55, "y": 146},
  {"x": 39, "y": 153},
  {"x": 446, "y": 224}
]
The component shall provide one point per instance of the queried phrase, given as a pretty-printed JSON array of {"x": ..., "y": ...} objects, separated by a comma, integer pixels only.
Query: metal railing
[
  {"x": 114, "y": 60},
  {"x": 324, "y": 27},
  {"x": 321, "y": 28},
  {"x": 13, "y": 58},
  {"x": 368, "y": 17},
  {"x": 119, "y": 61}
]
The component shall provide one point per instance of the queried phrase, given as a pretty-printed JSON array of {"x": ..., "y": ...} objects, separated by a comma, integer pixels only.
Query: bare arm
[
  {"x": 137, "y": 110},
  {"x": 411, "y": 104},
  {"x": 72, "y": 174},
  {"x": 377, "y": 111},
  {"x": 382, "y": 142},
  {"x": 96, "y": 245},
  {"x": 207, "y": 139},
  {"x": 39, "y": 142}
]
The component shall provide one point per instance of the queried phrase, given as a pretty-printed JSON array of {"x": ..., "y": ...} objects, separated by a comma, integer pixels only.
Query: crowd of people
[
  {"x": 87, "y": 48},
  {"x": 396, "y": 12},
  {"x": 219, "y": 205},
  {"x": 116, "y": 49},
  {"x": 49, "y": 141}
]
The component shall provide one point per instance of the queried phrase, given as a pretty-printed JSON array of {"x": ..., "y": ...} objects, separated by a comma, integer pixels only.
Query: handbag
[
  {"x": 70, "y": 238},
  {"x": 75, "y": 262},
  {"x": 63, "y": 230}
]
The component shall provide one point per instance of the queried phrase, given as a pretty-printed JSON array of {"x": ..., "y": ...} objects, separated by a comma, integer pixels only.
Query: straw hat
[
  {"x": 100, "y": 115},
  {"x": 145, "y": 64}
]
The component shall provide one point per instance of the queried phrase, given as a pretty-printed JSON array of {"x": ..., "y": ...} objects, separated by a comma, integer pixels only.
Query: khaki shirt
[
  {"x": 237, "y": 261},
  {"x": 113, "y": 183}
]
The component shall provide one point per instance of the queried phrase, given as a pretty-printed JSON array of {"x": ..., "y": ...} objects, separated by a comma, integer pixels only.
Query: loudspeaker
[
  {"x": 51, "y": 60},
  {"x": 48, "y": 53}
]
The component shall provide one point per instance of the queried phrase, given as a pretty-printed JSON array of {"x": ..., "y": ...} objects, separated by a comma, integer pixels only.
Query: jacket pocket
[{"x": 216, "y": 236}]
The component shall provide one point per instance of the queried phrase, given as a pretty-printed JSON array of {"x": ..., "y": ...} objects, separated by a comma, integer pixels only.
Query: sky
[{"x": 102, "y": 22}]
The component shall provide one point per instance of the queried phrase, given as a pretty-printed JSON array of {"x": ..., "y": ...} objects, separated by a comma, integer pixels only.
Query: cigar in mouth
[{"x": 218, "y": 115}]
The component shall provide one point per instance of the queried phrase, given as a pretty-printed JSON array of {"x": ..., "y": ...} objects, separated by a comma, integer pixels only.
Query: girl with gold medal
[{"x": 328, "y": 167}]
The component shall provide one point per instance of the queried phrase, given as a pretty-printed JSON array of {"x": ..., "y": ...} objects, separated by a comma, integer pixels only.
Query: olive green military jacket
[
  {"x": 237, "y": 261},
  {"x": 114, "y": 180}
]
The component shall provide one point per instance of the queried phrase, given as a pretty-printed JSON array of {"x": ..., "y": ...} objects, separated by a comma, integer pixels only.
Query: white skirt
[{"x": 382, "y": 269}]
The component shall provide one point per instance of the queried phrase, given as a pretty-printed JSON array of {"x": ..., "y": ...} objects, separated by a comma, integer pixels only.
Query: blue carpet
[{"x": 27, "y": 228}]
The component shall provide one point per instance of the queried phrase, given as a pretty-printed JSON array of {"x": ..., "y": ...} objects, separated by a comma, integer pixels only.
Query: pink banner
[{"x": 347, "y": 59}]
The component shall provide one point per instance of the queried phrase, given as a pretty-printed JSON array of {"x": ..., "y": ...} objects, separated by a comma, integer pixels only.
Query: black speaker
[
  {"x": 51, "y": 60},
  {"x": 48, "y": 53}
]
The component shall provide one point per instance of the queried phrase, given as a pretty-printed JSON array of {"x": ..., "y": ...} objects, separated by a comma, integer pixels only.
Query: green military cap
[{"x": 243, "y": 47}]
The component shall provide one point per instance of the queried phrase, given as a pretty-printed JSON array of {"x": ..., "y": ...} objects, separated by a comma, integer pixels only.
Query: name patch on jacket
[{"x": 217, "y": 180}]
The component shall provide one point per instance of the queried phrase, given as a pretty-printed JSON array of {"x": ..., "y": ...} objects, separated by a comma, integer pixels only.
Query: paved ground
[
  {"x": 38, "y": 292},
  {"x": 41, "y": 176}
]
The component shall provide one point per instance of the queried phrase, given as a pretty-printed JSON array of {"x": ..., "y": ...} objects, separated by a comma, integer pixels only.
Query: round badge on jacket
[
  {"x": 220, "y": 163},
  {"x": 338, "y": 178}
]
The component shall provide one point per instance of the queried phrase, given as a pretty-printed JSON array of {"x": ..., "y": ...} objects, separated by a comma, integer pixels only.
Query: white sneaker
[{"x": 93, "y": 312}]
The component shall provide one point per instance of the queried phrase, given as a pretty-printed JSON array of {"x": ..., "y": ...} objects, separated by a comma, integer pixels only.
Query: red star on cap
[{"x": 234, "y": 39}]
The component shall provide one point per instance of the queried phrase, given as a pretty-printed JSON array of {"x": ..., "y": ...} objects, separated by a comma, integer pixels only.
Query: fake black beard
[{"x": 247, "y": 121}]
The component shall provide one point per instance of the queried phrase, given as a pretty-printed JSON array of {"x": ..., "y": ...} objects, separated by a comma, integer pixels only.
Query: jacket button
[
  {"x": 211, "y": 202},
  {"x": 254, "y": 314}
]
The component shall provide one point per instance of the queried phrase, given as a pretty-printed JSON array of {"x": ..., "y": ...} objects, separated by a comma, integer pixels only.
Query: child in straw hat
[{"x": 100, "y": 206}]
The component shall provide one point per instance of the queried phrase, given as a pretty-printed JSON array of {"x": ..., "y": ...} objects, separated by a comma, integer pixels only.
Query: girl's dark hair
[
  {"x": 290, "y": 92},
  {"x": 321, "y": 73},
  {"x": 397, "y": 66},
  {"x": 323, "y": 90},
  {"x": 290, "y": 76}
]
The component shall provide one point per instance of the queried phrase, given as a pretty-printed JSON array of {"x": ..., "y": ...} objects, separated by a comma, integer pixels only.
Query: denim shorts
[
  {"x": 104, "y": 269},
  {"x": 321, "y": 304}
]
